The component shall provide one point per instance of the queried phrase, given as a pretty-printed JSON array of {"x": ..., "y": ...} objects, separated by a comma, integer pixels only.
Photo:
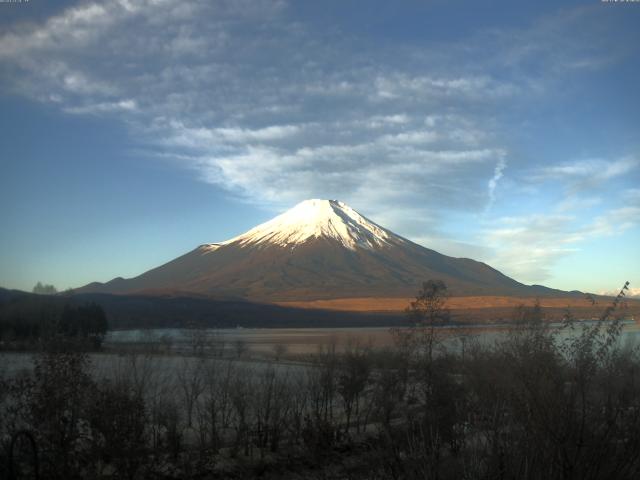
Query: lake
[{"x": 310, "y": 340}]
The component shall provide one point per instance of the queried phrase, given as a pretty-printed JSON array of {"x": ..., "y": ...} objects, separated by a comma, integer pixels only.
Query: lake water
[
  {"x": 310, "y": 340},
  {"x": 256, "y": 340}
]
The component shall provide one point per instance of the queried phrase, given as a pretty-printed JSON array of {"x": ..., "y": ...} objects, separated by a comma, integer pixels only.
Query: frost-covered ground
[{"x": 145, "y": 365}]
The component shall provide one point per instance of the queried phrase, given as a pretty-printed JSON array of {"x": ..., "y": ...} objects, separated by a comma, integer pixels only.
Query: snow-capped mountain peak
[
  {"x": 320, "y": 249},
  {"x": 317, "y": 218}
]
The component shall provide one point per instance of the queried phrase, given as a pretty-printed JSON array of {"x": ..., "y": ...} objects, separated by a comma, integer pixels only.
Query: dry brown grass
[{"x": 390, "y": 304}]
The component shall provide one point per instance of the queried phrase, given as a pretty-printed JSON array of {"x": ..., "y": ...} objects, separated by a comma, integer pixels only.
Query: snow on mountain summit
[{"x": 317, "y": 218}]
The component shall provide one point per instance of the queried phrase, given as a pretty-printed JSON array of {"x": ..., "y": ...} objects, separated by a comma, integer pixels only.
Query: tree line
[{"x": 28, "y": 319}]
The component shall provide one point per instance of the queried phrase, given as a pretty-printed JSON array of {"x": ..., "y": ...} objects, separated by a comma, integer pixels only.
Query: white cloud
[
  {"x": 104, "y": 107},
  {"x": 596, "y": 169},
  {"x": 243, "y": 135},
  {"x": 578, "y": 202},
  {"x": 493, "y": 182},
  {"x": 74, "y": 28},
  {"x": 572, "y": 39},
  {"x": 411, "y": 138},
  {"x": 204, "y": 139},
  {"x": 528, "y": 246},
  {"x": 400, "y": 86},
  {"x": 630, "y": 293},
  {"x": 614, "y": 222}
]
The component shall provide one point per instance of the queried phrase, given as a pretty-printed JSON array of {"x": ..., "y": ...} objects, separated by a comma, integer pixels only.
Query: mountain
[{"x": 319, "y": 249}]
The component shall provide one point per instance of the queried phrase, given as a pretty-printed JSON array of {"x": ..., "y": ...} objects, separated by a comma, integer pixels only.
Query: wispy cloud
[
  {"x": 528, "y": 246},
  {"x": 104, "y": 107},
  {"x": 614, "y": 221},
  {"x": 595, "y": 169},
  {"x": 493, "y": 181},
  {"x": 576, "y": 39}
]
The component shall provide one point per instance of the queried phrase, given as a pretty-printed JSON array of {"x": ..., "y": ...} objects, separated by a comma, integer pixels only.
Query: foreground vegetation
[{"x": 539, "y": 404}]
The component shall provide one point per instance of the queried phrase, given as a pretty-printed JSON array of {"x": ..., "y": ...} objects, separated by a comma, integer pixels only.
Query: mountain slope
[{"x": 319, "y": 249}]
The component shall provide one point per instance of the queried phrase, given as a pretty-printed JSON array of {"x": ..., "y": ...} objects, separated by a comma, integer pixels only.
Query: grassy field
[{"x": 484, "y": 309}]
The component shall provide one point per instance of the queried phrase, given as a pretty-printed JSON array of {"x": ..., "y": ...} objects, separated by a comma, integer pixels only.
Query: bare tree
[
  {"x": 427, "y": 312},
  {"x": 190, "y": 376},
  {"x": 240, "y": 346},
  {"x": 216, "y": 409},
  {"x": 241, "y": 389},
  {"x": 279, "y": 350},
  {"x": 353, "y": 376}
]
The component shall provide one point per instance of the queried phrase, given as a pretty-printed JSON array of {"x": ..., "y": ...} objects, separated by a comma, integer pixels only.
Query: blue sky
[{"x": 133, "y": 130}]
